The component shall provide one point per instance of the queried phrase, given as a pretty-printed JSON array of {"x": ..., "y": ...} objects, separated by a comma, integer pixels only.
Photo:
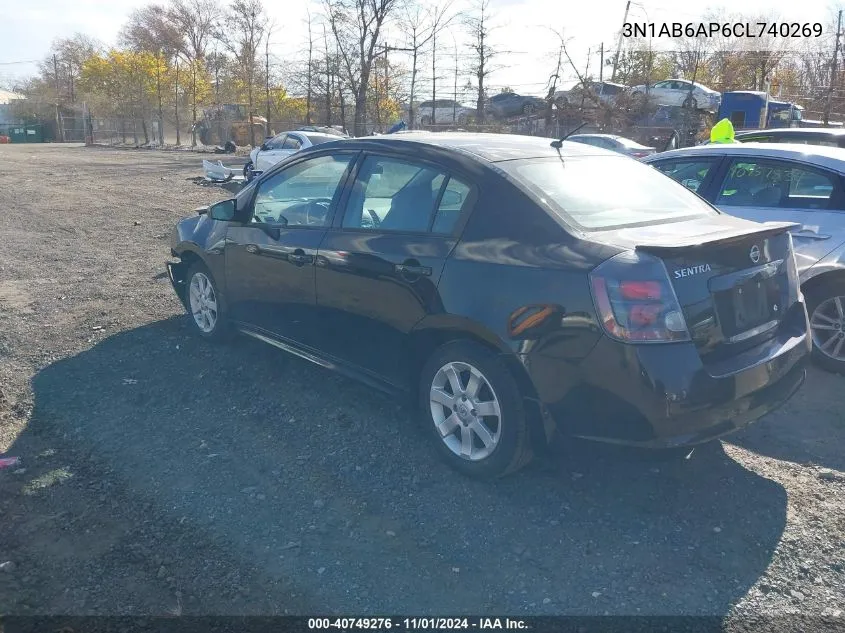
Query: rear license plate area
[{"x": 749, "y": 305}]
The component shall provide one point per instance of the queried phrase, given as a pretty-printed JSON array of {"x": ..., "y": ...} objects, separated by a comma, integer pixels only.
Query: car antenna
[{"x": 558, "y": 143}]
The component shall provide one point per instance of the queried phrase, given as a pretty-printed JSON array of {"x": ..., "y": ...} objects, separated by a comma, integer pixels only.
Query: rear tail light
[{"x": 635, "y": 300}]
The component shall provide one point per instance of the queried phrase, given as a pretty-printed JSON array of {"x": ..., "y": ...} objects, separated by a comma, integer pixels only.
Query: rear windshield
[
  {"x": 316, "y": 139},
  {"x": 596, "y": 193}
]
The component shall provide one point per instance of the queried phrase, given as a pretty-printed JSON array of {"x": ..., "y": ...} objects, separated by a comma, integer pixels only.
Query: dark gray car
[{"x": 508, "y": 104}]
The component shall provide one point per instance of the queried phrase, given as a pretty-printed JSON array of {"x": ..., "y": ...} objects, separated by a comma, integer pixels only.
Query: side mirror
[
  {"x": 223, "y": 211},
  {"x": 264, "y": 147}
]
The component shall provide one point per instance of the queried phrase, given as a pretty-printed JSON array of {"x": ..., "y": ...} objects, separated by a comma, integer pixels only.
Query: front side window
[
  {"x": 690, "y": 173},
  {"x": 391, "y": 194},
  {"x": 606, "y": 192},
  {"x": 751, "y": 183},
  {"x": 301, "y": 195},
  {"x": 277, "y": 141}
]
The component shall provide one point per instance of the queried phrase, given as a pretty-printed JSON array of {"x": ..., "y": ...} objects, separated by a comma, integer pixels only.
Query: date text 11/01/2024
[
  {"x": 722, "y": 29},
  {"x": 416, "y": 624}
]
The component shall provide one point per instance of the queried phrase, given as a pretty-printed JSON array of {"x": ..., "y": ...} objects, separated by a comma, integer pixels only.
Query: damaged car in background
[
  {"x": 279, "y": 147},
  {"x": 636, "y": 314}
]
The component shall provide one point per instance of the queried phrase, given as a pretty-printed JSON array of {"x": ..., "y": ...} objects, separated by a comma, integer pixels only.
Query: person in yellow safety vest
[{"x": 723, "y": 132}]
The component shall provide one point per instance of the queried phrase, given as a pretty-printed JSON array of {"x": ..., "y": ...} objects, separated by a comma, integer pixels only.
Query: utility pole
[
  {"x": 601, "y": 63},
  {"x": 158, "y": 92},
  {"x": 59, "y": 127},
  {"x": 267, "y": 83},
  {"x": 386, "y": 78},
  {"x": 176, "y": 103},
  {"x": 619, "y": 42},
  {"x": 455, "y": 100},
  {"x": 833, "y": 69},
  {"x": 433, "y": 78}
]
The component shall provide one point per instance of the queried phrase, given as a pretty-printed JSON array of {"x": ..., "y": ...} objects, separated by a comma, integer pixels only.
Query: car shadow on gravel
[
  {"x": 809, "y": 429},
  {"x": 321, "y": 483}
]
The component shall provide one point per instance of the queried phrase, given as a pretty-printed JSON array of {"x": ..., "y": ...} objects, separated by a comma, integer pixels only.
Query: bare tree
[
  {"x": 245, "y": 28},
  {"x": 150, "y": 29},
  {"x": 197, "y": 21},
  {"x": 357, "y": 26},
  {"x": 308, "y": 82},
  {"x": 421, "y": 26},
  {"x": 479, "y": 28}
]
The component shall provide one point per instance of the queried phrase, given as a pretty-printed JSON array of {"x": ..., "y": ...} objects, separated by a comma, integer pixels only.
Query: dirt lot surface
[{"x": 160, "y": 474}]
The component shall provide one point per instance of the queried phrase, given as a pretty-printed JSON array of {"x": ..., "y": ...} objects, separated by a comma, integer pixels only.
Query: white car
[
  {"x": 279, "y": 147},
  {"x": 680, "y": 92},
  {"x": 770, "y": 182},
  {"x": 445, "y": 111}
]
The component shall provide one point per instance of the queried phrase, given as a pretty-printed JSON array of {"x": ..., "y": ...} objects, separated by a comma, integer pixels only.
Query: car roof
[
  {"x": 795, "y": 131},
  {"x": 487, "y": 147},
  {"x": 596, "y": 135},
  {"x": 829, "y": 157}
]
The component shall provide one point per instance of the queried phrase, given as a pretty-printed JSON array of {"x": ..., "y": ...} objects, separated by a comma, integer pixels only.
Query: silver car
[
  {"x": 680, "y": 92},
  {"x": 794, "y": 183},
  {"x": 614, "y": 143},
  {"x": 279, "y": 147}
]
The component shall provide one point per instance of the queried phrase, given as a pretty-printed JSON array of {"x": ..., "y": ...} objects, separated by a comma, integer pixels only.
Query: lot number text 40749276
[{"x": 417, "y": 624}]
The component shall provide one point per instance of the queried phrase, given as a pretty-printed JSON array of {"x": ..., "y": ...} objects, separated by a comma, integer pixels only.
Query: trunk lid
[{"x": 731, "y": 276}]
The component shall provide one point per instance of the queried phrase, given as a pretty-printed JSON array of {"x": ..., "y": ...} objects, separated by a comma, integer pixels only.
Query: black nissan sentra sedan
[{"x": 514, "y": 287}]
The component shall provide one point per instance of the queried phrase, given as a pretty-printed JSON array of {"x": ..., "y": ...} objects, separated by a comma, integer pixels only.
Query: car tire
[
  {"x": 426, "y": 120},
  {"x": 211, "y": 322},
  {"x": 823, "y": 312},
  {"x": 690, "y": 102},
  {"x": 458, "y": 423}
]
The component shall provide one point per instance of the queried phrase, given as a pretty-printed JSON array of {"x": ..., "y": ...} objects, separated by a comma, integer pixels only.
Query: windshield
[{"x": 606, "y": 192}]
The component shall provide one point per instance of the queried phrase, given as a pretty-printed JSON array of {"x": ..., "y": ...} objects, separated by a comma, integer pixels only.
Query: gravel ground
[{"x": 160, "y": 474}]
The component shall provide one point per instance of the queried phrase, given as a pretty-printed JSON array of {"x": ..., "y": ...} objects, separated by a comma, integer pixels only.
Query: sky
[{"x": 523, "y": 35}]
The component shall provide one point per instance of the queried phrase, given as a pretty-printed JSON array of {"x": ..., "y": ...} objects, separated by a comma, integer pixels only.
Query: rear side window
[
  {"x": 391, "y": 194},
  {"x": 775, "y": 184},
  {"x": 606, "y": 192},
  {"x": 690, "y": 173}
]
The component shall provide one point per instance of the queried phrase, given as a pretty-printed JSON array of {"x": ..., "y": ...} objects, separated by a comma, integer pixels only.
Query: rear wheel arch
[
  {"x": 817, "y": 290},
  {"x": 426, "y": 340}
]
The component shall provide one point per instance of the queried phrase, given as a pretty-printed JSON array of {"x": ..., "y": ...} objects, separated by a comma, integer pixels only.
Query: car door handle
[
  {"x": 300, "y": 259},
  {"x": 413, "y": 270}
]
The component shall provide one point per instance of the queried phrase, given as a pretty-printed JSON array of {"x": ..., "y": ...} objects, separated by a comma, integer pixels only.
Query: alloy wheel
[
  {"x": 465, "y": 410},
  {"x": 203, "y": 302},
  {"x": 828, "y": 328}
]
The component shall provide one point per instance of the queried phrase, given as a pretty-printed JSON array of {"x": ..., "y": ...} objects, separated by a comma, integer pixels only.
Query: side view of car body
[
  {"x": 589, "y": 96},
  {"x": 443, "y": 111},
  {"x": 680, "y": 92},
  {"x": 501, "y": 283},
  {"x": 830, "y": 137},
  {"x": 614, "y": 143},
  {"x": 507, "y": 104},
  {"x": 281, "y": 146},
  {"x": 791, "y": 183}
]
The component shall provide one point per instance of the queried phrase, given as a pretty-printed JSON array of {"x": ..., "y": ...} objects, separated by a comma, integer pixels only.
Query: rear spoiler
[{"x": 721, "y": 238}]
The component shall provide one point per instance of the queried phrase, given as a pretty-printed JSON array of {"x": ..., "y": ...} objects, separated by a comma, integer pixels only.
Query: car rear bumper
[{"x": 663, "y": 396}]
